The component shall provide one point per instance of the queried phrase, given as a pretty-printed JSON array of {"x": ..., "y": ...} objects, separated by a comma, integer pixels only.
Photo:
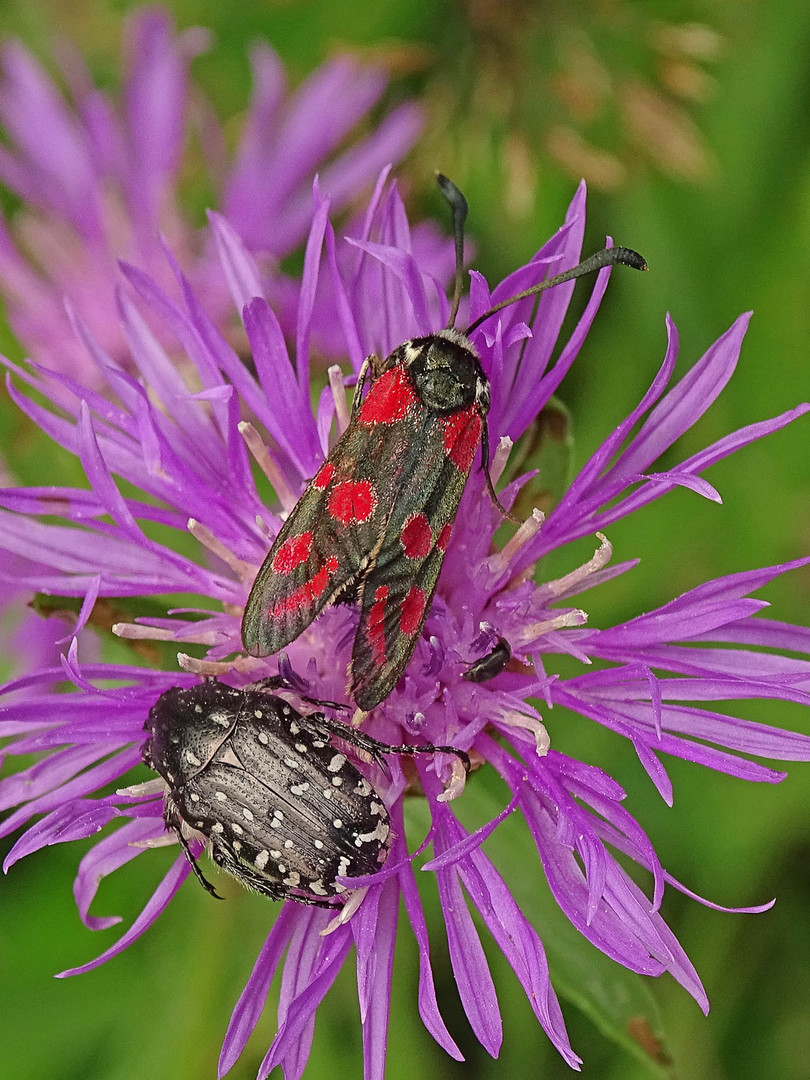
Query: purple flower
[
  {"x": 181, "y": 444},
  {"x": 100, "y": 178}
]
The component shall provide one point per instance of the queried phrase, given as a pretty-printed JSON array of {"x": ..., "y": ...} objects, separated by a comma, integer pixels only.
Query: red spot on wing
[
  {"x": 376, "y": 625},
  {"x": 413, "y": 608},
  {"x": 325, "y": 474},
  {"x": 462, "y": 433},
  {"x": 444, "y": 537},
  {"x": 305, "y": 595},
  {"x": 389, "y": 399},
  {"x": 416, "y": 538},
  {"x": 292, "y": 553},
  {"x": 352, "y": 502}
]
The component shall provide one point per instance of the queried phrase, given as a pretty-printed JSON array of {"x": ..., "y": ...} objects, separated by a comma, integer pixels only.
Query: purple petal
[
  {"x": 299, "y": 439},
  {"x": 155, "y": 96},
  {"x": 374, "y": 928},
  {"x": 72, "y": 821},
  {"x": 312, "y": 965},
  {"x": 428, "y": 1005},
  {"x": 75, "y": 786},
  {"x": 470, "y": 968},
  {"x": 104, "y": 858},
  {"x": 252, "y": 1000},
  {"x": 155, "y": 907},
  {"x": 238, "y": 265},
  {"x": 309, "y": 284},
  {"x": 687, "y": 401}
]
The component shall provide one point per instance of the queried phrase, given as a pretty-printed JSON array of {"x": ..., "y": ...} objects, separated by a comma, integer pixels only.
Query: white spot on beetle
[
  {"x": 380, "y": 833},
  {"x": 337, "y": 781},
  {"x": 247, "y": 813},
  {"x": 194, "y": 797},
  {"x": 317, "y": 887},
  {"x": 258, "y": 713},
  {"x": 263, "y": 738},
  {"x": 261, "y": 859},
  {"x": 338, "y": 823},
  {"x": 220, "y": 796},
  {"x": 294, "y": 728},
  {"x": 318, "y": 844},
  {"x": 192, "y": 758},
  {"x": 299, "y": 789},
  {"x": 337, "y": 763},
  {"x": 218, "y": 828}
]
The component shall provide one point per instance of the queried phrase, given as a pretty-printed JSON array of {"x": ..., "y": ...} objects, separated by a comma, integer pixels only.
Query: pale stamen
[
  {"x": 147, "y": 788},
  {"x": 532, "y": 724},
  {"x": 243, "y": 664},
  {"x": 356, "y": 898},
  {"x": 562, "y": 585},
  {"x": 155, "y": 841},
  {"x": 499, "y": 562},
  {"x": 500, "y": 458},
  {"x": 246, "y": 571},
  {"x": 137, "y": 632},
  {"x": 458, "y": 780},
  {"x": 263, "y": 459},
  {"x": 531, "y": 633},
  {"x": 338, "y": 389}
]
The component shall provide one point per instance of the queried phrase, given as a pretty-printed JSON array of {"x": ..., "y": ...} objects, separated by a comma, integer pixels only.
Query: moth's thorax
[{"x": 446, "y": 372}]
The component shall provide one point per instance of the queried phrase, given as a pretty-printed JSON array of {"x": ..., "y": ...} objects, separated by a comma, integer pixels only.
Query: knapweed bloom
[
  {"x": 100, "y": 177},
  {"x": 191, "y": 449}
]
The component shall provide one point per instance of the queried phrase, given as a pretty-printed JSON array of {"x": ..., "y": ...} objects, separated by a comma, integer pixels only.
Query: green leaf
[{"x": 617, "y": 1001}]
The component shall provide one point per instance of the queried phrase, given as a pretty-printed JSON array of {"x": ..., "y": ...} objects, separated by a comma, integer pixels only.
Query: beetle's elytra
[{"x": 285, "y": 811}]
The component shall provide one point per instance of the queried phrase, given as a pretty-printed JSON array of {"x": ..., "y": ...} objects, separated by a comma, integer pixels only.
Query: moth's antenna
[
  {"x": 458, "y": 206},
  {"x": 606, "y": 257}
]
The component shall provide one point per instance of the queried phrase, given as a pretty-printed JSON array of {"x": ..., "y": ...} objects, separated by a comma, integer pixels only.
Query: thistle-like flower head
[{"x": 178, "y": 511}]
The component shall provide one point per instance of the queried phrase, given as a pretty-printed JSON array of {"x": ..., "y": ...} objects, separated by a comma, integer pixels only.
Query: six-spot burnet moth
[
  {"x": 373, "y": 525},
  {"x": 283, "y": 808}
]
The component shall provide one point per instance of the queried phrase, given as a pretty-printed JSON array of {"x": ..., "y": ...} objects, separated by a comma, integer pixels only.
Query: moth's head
[{"x": 446, "y": 372}]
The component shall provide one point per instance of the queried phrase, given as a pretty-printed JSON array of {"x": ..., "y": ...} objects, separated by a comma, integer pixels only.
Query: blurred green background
[{"x": 691, "y": 123}]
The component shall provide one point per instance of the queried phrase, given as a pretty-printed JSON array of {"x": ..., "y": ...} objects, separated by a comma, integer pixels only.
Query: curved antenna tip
[
  {"x": 458, "y": 207},
  {"x": 628, "y": 257}
]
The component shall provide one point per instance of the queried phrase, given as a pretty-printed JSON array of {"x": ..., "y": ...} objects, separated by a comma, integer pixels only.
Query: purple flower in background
[
  {"x": 180, "y": 441},
  {"x": 100, "y": 178}
]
